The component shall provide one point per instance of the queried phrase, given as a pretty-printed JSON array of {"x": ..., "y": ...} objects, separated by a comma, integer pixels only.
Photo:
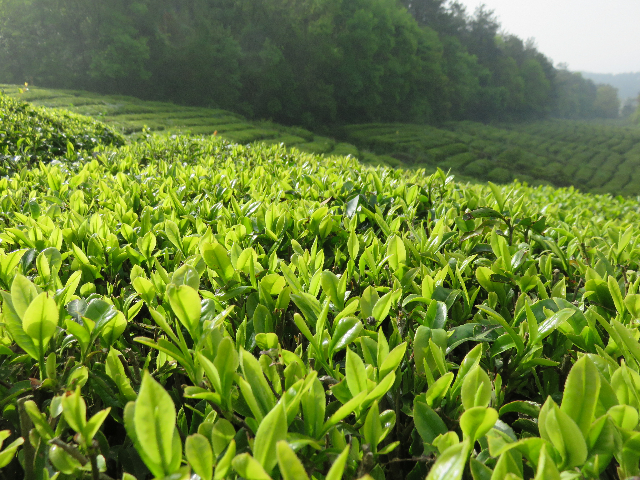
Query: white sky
[{"x": 601, "y": 36}]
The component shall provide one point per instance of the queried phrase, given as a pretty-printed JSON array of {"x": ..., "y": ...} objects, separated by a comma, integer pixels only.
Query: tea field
[
  {"x": 182, "y": 307},
  {"x": 130, "y": 116},
  {"x": 593, "y": 157}
]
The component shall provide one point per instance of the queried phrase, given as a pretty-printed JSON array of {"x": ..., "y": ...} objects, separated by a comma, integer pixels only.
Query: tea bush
[
  {"x": 559, "y": 147},
  {"x": 30, "y": 134},
  {"x": 133, "y": 117},
  {"x": 184, "y": 306}
]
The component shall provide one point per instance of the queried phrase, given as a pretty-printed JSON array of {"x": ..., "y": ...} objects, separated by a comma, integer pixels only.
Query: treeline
[{"x": 311, "y": 62}]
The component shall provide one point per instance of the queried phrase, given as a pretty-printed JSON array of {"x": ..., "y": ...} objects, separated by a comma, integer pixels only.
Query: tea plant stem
[
  {"x": 72, "y": 451},
  {"x": 95, "y": 472},
  {"x": 29, "y": 451}
]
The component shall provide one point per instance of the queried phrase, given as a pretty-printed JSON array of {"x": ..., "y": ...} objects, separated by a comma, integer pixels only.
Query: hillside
[
  {"x": 298, "y": 62},
  {"x": 591, "y": 156},
  {"x": 130, "y": 116},
  {"x": 182, "y": 306}
]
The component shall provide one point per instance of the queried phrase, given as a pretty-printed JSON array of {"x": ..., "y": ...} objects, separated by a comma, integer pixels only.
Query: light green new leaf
[
  {"x": 581, "y": 392},
  {"x": 222, "y": 434},
  {"x": 224, "y": 465},
  {"x": 330, "y": 285},
  {"x": 372, "y": 429},
  {"x": 249, "y": 468},
  {"x": 396, "y": 252},
  {"x": 185, "y": 303},
  {"x": 355, "y": 373},
  {"x": 477, "y": 421},
  {"x": 74, "y": 410},
  {"x": 94, "y": 424},
  {"x": 450, "y": 465},
  {"x": 129, "y": 424},
  {"x": 345, "y": 332},
  {"x": 439, "y": 389},
  {"x": 272, "y": 429},
  {"x": 199, "y": 455},
  {"x": 13, "y": 324},
  {"x": 616, "y": 294},
  {"x": 154, "y": 420},
  {"x": 337, "y": 469},
  {"x": 253, "y": 374},
  {"x": 565, "y": 435},
  {"x": 476, "y": 389},
  {"x": 173, "y": 234},
  {"x": 627, "y": 338},
  {"x": 217, "y": 259},
  {"x": 314, "y": 403},
  {"x": 39, "y": 420},
  {"x": 9, "y": 451},
  {"x": 344, "y": 411},
  {"x": 290, "y": 466},
  {"x": 144, "y": 288},
  {"x": 512, "y": 333},
  {"x": 40, "y": 320},
  {"x": 382, "y": 306},
  {"x": 428, "y": 424},
  {"x": 353, "y": 245},
  {"x": 23, "y": 292},
  {"x": 547, "y": 327},
  {"x": 368, "y": 301},
  {"x": 547, "y": 469},
  {"x": 392, "y": 360}
]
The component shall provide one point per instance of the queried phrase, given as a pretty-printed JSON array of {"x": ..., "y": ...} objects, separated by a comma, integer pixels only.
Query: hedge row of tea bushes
[
  {"x": 593, "y": 157},
  {"x": 30, "y": 134},
  {"x": 186, "y": 306},
  {"x": 130, "y": 116}
]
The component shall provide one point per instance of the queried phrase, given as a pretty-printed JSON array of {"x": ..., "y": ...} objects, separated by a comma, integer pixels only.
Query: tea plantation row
[
  {"x": 130, "y": 116},
  {"x": 590, "y": 156},
  {"x": 184, "y": 307},
  {"x": 593, "y": 157}
]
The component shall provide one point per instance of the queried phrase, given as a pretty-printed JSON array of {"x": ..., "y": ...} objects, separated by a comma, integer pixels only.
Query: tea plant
[
  {"x": 183, "y": 306},
  {"x": 29, "y": 135}
]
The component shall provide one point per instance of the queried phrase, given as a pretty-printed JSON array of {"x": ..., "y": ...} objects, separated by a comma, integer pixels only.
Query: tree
[{"x": 607, "y": 104}]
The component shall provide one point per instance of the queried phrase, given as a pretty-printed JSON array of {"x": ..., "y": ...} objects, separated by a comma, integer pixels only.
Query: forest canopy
[{"x": 309, "y": 62}]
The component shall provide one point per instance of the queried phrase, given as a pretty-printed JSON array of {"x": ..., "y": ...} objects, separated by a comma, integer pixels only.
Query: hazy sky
[{"x": 589, "y": 35}]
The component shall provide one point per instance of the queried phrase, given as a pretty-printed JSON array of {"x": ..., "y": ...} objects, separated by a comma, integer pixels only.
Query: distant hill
[{"x": 628, "y": 84}]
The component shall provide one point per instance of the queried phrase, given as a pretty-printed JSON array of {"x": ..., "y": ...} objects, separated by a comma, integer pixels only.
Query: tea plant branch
[
  {"x": 72, "y": 451},
  {"x": 28, "y": 449},
  {"x": 75, "y": 453}
]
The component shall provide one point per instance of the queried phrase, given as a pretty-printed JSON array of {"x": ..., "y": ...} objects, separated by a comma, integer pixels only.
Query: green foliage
[
  {"x": 30, "y": 134},
  {"x": 182, "y": 305},
  {"x": 296, "y": 62},
  {"x": 592, "y": 157}
]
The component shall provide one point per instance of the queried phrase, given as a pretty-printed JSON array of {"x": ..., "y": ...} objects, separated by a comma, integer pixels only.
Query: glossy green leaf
[
  {"x": 337, "y": 469},
  {"x": 154, "y": 421},
  {"x": 185, "y": 303},
  {"x": 346, "y": 331},
  {"x": 450, "y": 465},
  {"x": 249, "y": 468},
  {"x": 272, "y": 429},
  {"x": 476, "y": 389},
  {"x": 355, "y": 373},
  {"x": 290, "y": 466},
  {"x": 199, "y": 455},
  {"x": 581, "y": 392},
  {"x": 40, "y": 320},
  {"x": 475, "y": 422}
]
